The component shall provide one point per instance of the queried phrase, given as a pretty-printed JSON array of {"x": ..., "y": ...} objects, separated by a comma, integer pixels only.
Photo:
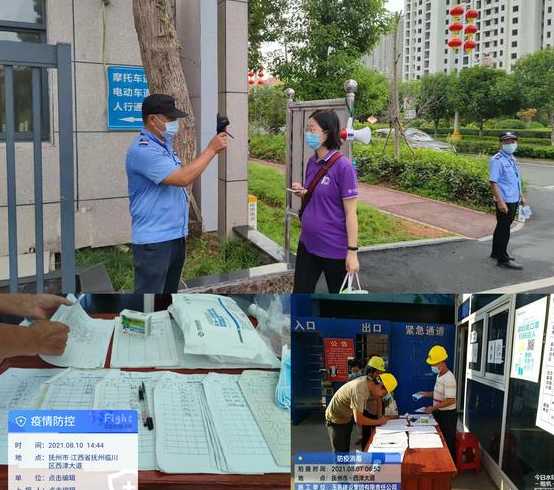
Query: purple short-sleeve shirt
[{"x": 324, "y": 220}]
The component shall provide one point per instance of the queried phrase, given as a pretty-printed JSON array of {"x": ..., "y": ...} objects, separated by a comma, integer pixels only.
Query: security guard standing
[
  {"x": 505, "y": 182},
  {"x": 158, "y": 198},
  {"x": 348, "y": 404},
  {"x": 444, "y": 396}
]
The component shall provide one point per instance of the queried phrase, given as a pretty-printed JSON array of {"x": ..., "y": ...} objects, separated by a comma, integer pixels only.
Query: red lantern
[
  {"x": 472, "y": 14},
  {"x": 469, "y": 45},
  {"x": 250, "y": 73},
  {"x": 456, "y": 27},
  {"x": 455, "y": 43},
  {"x": 251, "y": 82},
  {"x": 260, "y": 82},
  {"x": 261, "y": 73},
  {"x": 470, "y": 29},
  {"x": 457, "y": 11}
]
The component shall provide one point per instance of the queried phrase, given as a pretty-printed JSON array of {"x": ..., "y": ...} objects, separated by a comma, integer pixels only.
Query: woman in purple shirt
[{"x": 329, "y": 238}]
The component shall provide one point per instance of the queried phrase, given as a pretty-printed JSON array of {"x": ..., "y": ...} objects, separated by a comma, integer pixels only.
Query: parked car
[{"x": 419, "y": 139}]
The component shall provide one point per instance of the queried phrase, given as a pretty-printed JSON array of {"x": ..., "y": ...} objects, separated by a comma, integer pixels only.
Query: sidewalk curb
[
  {"x": 412, "y": 243},
  {"x": 516, "y": 228},
  {"x": 425, "y": 198}
]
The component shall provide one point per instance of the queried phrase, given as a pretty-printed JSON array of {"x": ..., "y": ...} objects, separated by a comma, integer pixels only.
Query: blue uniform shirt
[
  {"x": 159, "y": 212},
  {"x": 504, "y": 171}
]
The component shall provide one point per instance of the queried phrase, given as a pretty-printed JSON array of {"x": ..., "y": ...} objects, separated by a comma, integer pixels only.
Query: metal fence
[{"x": 37, "y": 57}]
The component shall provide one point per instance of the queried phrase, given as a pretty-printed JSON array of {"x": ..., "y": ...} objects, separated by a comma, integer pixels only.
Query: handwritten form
[
  {"x": 88, "y": 341},
  {"x": 258, "y": 389},
  {"x": 185, "y": 441},
  {"x": 120, "y": 392},
  {"x": 20, "y": 389},
  {"x": 244, "y": 446},
  {"x": 73, "y": 389}
]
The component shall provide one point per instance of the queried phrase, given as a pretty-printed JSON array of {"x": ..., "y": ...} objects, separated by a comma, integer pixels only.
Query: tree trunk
[
  {"x": 436, "y": 122},
  {"x": 394, "y": 91},
  {"x": 159, "y": 47},
  {"x": 552, "y": 128},
  {"x": 481, "y": 124}
]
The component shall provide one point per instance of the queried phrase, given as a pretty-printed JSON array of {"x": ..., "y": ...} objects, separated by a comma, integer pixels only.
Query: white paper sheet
[
  {"x": 183, "y": 441},
  {"x": 396, "y": 424},
  {"x": 423, "y": 429},
  {"x": 20, "y": 389},
  {"x": 159, "y": 349},
  {"x": 545, "y": 409},
  {"x": 424, "y": 441},
  {"x": 245, "y": 448},
  {"x": 258, "y": 388},
  {"x": 88, "y": 342},
  {"x": 121, "y": 392},
  {"x": 73, "y": 389},
  {"x": 396, "y": 440}
]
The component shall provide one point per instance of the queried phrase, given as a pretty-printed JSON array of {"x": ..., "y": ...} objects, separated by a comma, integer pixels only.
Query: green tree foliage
[
  {"x": 434, "y": 101},
  {"x": 373, "y": 92},
  {"x": 265, "y": 22},
  {"x": 481, "y": 93},
  {"x": 534, "y": 75},
  {"x": 267, "y": 107},
  {"x": 323, "y": 41}
]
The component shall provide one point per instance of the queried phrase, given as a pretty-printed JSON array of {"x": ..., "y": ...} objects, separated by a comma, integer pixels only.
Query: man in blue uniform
[
  {"x": 158, "y": 198},
  {"x": 505, "y": 184}
]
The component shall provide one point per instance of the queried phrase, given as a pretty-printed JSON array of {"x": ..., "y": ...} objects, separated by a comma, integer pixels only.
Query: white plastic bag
[
  {"x": 215, "y": 326},
  {"x": 273, "y": 314},
  {"x": 524, "y": 213},
  {"x": 348, "y": 286}
]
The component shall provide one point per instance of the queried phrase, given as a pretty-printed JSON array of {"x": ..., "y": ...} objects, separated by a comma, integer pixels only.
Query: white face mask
[
  {"x": 171, "y": 128},
  {"x": 510, "y": 148},
  {"x": 435, "y": 369}
]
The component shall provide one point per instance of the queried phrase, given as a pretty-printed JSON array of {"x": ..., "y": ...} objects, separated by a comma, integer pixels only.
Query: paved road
[{"x": 465, "y": 266}]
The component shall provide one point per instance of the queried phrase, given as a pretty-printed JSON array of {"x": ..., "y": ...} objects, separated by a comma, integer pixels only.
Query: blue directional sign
[{"x": 127, "y": 88}]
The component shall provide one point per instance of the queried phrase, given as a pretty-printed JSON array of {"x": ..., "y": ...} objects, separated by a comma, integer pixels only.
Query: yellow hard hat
[
  {"x": 377, "y": 362},
  {"x": 389, "y": 381},
  {"x": 437, "y": 354}
]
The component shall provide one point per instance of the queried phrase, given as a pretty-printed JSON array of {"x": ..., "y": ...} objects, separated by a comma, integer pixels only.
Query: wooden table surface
[
  {"x": 156, "y": 480},
  {"x": 427, "y": 469}
]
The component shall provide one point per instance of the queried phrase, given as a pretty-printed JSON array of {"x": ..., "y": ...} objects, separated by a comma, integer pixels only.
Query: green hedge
[
  {"x": 439, "y": 175},
  {"x": 490, "y": 148},
  {"x": 494, "y": 140},
  {"x": 268, "y": 147},
  {"x": 522, "y": 133}
]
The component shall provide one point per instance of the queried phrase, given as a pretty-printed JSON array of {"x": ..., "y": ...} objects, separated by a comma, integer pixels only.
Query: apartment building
[{"x": 508, "y": 30}]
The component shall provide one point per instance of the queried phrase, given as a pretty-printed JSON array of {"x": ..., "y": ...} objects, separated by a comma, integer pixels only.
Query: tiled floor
[{"x": 469, "y": 480}]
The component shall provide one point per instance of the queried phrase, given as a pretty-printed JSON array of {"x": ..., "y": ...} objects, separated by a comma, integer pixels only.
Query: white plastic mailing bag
[{"x": 216, "y": 326}]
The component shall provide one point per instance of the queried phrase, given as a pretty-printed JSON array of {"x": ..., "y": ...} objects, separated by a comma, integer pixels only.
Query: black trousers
[
  {"x": 339, "y": 435},
  {"x": 501, "y": 235},
  {"x": 309, "y": 268},
  {"x": 158, "y": 266},
  {"x": 448, "y": 420}
]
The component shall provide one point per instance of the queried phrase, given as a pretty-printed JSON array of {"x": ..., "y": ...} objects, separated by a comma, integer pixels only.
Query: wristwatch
[{"x": 353, "y": 249}]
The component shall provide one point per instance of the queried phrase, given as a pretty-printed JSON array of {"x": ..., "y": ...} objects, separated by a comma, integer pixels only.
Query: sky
[
  {"x": 392, "y": 5},
  {"x": 395, "y": 5}
]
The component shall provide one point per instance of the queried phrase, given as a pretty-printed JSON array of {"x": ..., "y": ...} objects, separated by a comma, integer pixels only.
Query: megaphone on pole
[{"x": 350, "y": 134}]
